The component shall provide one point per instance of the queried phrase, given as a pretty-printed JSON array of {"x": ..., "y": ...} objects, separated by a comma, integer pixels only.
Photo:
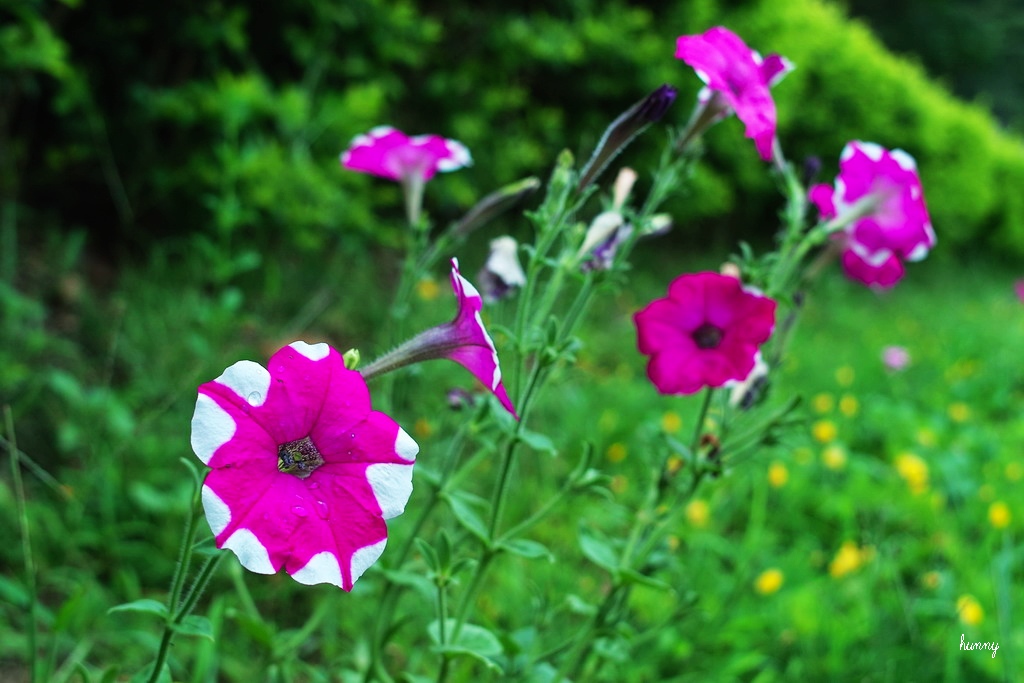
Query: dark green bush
[{"x": 222, "y": 122}]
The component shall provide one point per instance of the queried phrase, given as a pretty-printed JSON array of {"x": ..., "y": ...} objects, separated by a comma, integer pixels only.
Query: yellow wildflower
[
  {"x": 427, "y": 289},
  {"x": 778, "y": 475},
  {"x": 849, "y": 559},
  {"x": 769, "y": 581},
  {"x": 999, "y": 515},
  {"x": 914, "y": 471},
  {"x": 834, "y": 457},
  {"x": 959, "y": 411},
  {"x": 849, "y": 405},
  {"x": 671, "y": 422},
  {"x": 423, "y": 428},
  {"x": 616, "y": 452},
  {"x": 824, "y": 431},
  {"x": 969, "y": 610},
  {"x": 823, "y": 403},
  {"x": 698, "y": 513}
]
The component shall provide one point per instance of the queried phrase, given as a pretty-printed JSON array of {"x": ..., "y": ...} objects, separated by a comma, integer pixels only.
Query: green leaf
[
  {"x": 145, "y": 605},
  {"x": 527, "y": 548},
  {"x": 473, "y": 641},
  {"x": 599, "y": 551},
  {"x": 466, "y": 516},
  {"x": 195, "y": 625},
  {"x": 633, "y": 576},
  {"x": 538, "y": 442}
]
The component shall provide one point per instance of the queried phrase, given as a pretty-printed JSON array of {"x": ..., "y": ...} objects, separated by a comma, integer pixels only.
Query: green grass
[{"x": 101, "y": 380}]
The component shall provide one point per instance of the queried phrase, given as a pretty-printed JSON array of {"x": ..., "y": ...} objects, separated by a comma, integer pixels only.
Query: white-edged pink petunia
[
  {"x": 472, "y": 346},
  {"x": 878, "y": 196},
  {"x": 390, "y": 153},
  {"x": 303, "y": 471},
  {"x": 737, "y": 79},
  {"x": 464, "y": 340},
  {"x": 412, "y": 161}
]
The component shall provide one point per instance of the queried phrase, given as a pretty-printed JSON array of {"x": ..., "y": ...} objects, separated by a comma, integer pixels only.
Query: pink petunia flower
[
  {"x": 895, "y": 358},
  {"x": 464, "y": 340},
  {"x": 412, "y": 161},
  {"x": 737, "y": 79},
  {"x": 390, "y": 153},
  {"x": 1018, "y": 288},
  {"x": 705, "y": 333},
  {"x": 304, "y": 473},
  {"x": 878, "y": 195}
]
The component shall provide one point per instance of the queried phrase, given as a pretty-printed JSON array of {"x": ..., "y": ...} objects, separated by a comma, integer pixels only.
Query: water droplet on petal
[
  {"x": 321, "y": 509},
  {"x": 299, "y": 511},
  {"x": 314, "y": 485}
]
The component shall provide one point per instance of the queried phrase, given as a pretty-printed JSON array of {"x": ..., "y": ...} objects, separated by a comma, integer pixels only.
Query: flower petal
[
  {"x": 473, "y": 347},
  {"x": 391, "y": 154}
]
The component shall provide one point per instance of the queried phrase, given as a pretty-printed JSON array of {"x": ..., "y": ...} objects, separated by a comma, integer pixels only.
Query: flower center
[
  {"x": 299, "y": 457},
  {"x": 707, "y": 336}
]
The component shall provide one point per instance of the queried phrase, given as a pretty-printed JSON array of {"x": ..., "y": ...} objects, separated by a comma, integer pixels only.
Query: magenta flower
[
  {"x": 737, "y": 79},
  {"x": 878, "y": 196},
  {"x": 304, "y": 473},
  {"x": 1018, "y": 288},
  {"x": 391, "y": 154},
  {"x": 895, "y": 358},
  {"x": 463, "y": 340},
  {"x": 705, "y": 333}
]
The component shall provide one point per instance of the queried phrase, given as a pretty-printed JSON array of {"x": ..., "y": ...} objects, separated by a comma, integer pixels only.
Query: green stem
[
  {"x": 442, "y": 630},
  {"x": 26, "y": 544},
  {"x": 177, "y": 585}
]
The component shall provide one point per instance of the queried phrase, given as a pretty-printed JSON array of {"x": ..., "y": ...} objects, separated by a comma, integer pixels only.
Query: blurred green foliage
[{"x": 221, "y": 122}]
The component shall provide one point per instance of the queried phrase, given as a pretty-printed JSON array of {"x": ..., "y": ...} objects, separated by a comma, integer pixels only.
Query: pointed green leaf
[
  {"x": 145, "y": 605},
  {"x": 467, "y": 516},
  {"x": 526, "y": 548},
  {"x": 473, "y": 641},
  {"x": 195, "y": 625},
  {"x": 599, "y": 551}
]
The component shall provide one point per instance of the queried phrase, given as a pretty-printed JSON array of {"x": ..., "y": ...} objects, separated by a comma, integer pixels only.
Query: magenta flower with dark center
[
  {"x": 737, "y": 79},
  {"x": 878, "y": 198},
  {"x": 303, "y": 471},
  {"x": 705, "y": 333},
  {"x": 464, "y": 340}
]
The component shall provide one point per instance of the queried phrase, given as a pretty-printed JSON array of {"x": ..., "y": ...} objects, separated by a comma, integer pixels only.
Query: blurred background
[{"x": 135, "y": 124}]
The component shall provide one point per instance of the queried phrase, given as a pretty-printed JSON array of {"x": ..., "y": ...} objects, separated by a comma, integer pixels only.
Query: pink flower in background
[
  {"x": 879, "y": 192},
  {"x": 895, "y": 358},
  {"x": 705, "y": 333},
  {"x": 737, "y": 79},
  {"x": 304, "y": 473},
  {"x": 463, "y": 340},
  {"x": 391, "y": 154},
  {"x": 1018, "y": 287}
]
